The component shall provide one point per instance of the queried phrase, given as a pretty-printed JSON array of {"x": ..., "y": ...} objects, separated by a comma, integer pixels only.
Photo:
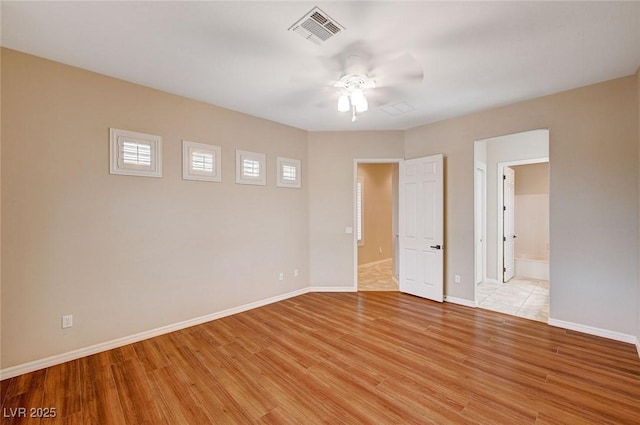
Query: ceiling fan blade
[
  {"x": 381, "y": 96},
  {"x": 313, "y": 77},
  {"x": 319, "y": 97},
  {"x": 403, "y": 69},
  {"x": 353, "y": 59}
]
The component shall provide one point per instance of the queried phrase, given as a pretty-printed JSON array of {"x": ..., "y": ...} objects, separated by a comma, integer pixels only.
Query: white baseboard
[
  {"x": 20, "y": 369},
  {"x": 333, "y": 289},
  {"x": 605, "y": 333},
  {"x": 638, "y": 346},
  {"x": 460, "y": 301}
]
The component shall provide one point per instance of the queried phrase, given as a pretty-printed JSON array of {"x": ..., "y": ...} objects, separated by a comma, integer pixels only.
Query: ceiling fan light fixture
[
  {"x": 343, "y": 103},
  {"x": 362, "y": 105},
  {"x": 357, "y": 98},
  {"x": 352, "y": 93}
]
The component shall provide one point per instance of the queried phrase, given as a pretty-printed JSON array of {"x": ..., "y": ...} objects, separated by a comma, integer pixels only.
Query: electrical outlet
[
  {"x": 457, "y": 278},
  {"x": 67, "y": 321},
  {"x": 281, "y": 277},
  {"x": 296, "y": 272}
]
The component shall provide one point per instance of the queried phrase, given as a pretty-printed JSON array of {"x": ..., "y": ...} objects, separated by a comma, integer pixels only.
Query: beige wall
[
  {"x": 593, "y": 196},
  {"x": 533, "y": 179},
  {"x": 129, "y": 254},
  {"x": 638, "y": 111},
  {"x": 532, "y": 211},
  {"x": 331, "y": 198},
  {"x": 377, "y": 230}
]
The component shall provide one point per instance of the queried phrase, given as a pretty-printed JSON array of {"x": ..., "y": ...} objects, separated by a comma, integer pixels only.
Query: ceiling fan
[{"x": 360, "y": 78}]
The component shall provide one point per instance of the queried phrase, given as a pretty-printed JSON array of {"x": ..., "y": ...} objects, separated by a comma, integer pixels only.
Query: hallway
[{"x": 377, "y": 276}]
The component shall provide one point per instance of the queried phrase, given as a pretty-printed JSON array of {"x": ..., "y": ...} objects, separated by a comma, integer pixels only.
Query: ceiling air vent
[
  {"x": 397, "y": 108},
  {"x": 316, "y": 26}
]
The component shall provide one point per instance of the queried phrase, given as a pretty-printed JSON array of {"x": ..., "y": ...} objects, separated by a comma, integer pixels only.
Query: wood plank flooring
[{"x": 344, "y": 358}]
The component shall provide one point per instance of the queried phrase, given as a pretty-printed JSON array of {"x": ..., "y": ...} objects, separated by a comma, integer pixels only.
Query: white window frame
[
  {"x": 283, "y": 181},
  {"x": 243, "y": 178},
  {"x": 117, "y": 140},
  {"x": 360, "y": 211},
  {"x": 189, "y": 173}
]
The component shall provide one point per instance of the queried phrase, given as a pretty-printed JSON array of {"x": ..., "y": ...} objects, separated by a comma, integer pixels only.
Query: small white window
[
  {"x": 359, "y": 210},
  {"x": 135, "y": 154},
  {"x": 251, "y": 168},
  {"x": 288, "y": 172},
  {"x": 201, "y": 162}
]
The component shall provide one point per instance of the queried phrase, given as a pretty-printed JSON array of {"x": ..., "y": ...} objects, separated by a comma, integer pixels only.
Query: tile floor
[
  {"x": 522, "y": 297},
  {"x": 376, "y": 277}
]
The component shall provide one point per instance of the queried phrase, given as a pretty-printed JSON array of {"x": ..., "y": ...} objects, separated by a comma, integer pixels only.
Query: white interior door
[
  {"x": 508, "y": 223},
  {"x": 421, "y": 227}
]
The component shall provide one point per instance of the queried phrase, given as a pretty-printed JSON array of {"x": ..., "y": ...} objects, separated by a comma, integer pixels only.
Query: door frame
[
  {"x": 480, "y": 214},
  {"x": 356, "y": 162},
  {"x": 500, "y": 199}
]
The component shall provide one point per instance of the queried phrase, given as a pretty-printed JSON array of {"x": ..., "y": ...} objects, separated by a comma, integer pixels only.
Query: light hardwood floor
[{"x": 346, "y": 358}]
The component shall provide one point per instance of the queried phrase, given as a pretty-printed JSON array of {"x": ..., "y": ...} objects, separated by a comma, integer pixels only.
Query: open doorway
[
  {"x": 376, "y": 225},
  {"x": 512, "y": 224},
  {"x": 527, "y": 225}
]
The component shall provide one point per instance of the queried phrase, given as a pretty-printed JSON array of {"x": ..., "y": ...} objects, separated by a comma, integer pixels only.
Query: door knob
[{"x": 436, "y": 247}]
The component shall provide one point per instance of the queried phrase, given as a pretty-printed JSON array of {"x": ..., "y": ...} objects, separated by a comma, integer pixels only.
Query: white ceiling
[{"x": 240, "y": 55}]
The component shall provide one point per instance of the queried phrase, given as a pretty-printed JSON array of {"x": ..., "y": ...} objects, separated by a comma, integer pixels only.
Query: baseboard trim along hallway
[
  {"x": 590, "y": 330},
  {"x": 460, "y": 301}
]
